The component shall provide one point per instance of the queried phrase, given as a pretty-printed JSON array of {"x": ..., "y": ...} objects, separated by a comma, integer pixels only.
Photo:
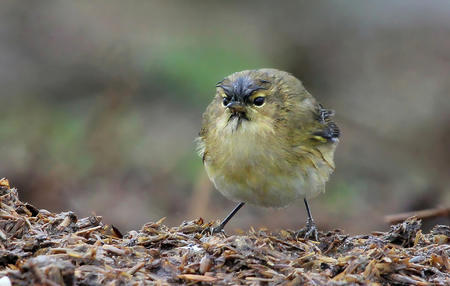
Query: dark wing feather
[{"x": 330, "y": 131}]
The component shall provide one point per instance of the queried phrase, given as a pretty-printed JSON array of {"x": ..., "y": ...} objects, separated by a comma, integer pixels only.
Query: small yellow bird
[{"x": 266, "y": 141}]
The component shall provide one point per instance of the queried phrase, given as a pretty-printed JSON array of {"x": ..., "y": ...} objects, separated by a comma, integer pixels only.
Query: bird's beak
[{"x": 236, "y": 107}]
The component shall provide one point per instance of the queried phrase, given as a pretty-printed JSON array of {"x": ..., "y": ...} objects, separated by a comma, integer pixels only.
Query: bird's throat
[{"x": 236, "y": 120}]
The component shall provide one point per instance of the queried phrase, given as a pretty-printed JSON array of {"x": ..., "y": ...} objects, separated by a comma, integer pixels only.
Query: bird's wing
[{"x": 327, "y": 130}]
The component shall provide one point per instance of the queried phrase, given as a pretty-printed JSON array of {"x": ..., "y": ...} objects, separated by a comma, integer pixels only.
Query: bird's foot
[
  {"x": 309, "y": 232},
  {"x": 213, "y": 230}
]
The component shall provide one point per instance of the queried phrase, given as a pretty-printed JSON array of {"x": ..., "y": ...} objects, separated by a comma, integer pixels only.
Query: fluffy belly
[
  {"x": 270, "y": 174},
  {"x": 266, "y": 189}
]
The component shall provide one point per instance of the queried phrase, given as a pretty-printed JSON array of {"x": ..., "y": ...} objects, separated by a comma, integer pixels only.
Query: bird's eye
[
  {"x": 258, "y": 101},
  {"x": 225, "y": 101}
]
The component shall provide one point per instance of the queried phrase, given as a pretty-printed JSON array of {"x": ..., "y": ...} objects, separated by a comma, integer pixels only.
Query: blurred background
[{"x": 101, "y": 103}]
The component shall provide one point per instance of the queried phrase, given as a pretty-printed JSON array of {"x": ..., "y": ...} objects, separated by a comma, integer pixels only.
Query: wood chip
[
  {"x": 195, "y": 277},
  {"x": 45, "y": 248}
]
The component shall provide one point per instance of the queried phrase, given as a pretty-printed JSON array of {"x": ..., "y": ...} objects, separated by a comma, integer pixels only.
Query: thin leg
[
  {"x": 311, "y": 229},
  {"x": 227, "y": 219},
  {"x": 308, "y": 210}
]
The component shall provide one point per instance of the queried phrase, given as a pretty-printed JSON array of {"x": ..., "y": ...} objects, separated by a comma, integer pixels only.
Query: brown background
[{"x": 100, "y": 103}]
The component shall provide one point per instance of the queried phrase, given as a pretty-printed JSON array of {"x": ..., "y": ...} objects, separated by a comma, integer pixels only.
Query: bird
[{"x": 266, "y": 141}]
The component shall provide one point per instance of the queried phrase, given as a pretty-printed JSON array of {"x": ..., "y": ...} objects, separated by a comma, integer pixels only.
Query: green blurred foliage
[{"x": 193, "y": 69}]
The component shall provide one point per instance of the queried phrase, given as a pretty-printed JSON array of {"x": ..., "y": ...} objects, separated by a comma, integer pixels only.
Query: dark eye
[
  {"x": 225, "y": 101},
  {"x": 258, "y": 101}
]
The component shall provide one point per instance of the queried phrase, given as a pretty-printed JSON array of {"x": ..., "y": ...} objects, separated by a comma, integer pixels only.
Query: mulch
[{"x": 44, "y": 248}]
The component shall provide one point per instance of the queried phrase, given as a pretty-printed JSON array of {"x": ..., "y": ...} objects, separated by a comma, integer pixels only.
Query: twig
[
  {"x": 422, "y": 214},
  {"x": 136, "y": 268}
]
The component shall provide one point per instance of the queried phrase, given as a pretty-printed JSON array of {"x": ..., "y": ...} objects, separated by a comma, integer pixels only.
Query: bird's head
[
  {"x": 257, "y": 102},
  {"x": 247, "y": 97}
]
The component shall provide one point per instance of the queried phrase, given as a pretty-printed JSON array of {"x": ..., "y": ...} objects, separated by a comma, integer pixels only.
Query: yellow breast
[{"x": 251, "y": 164}]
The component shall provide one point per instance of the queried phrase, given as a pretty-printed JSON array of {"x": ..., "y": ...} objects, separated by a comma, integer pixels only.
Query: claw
[
  {"x": 217, "y": 230},
  {"x": 212, "y": 230},
  {"x": 309, "y": 232}
]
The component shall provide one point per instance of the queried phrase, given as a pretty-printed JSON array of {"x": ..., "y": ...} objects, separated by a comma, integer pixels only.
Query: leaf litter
[{"x": 44, "y": 248}]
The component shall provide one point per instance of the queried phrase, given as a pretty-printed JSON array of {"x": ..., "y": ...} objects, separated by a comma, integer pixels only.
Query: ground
[{"x": 43, "y": 248}]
